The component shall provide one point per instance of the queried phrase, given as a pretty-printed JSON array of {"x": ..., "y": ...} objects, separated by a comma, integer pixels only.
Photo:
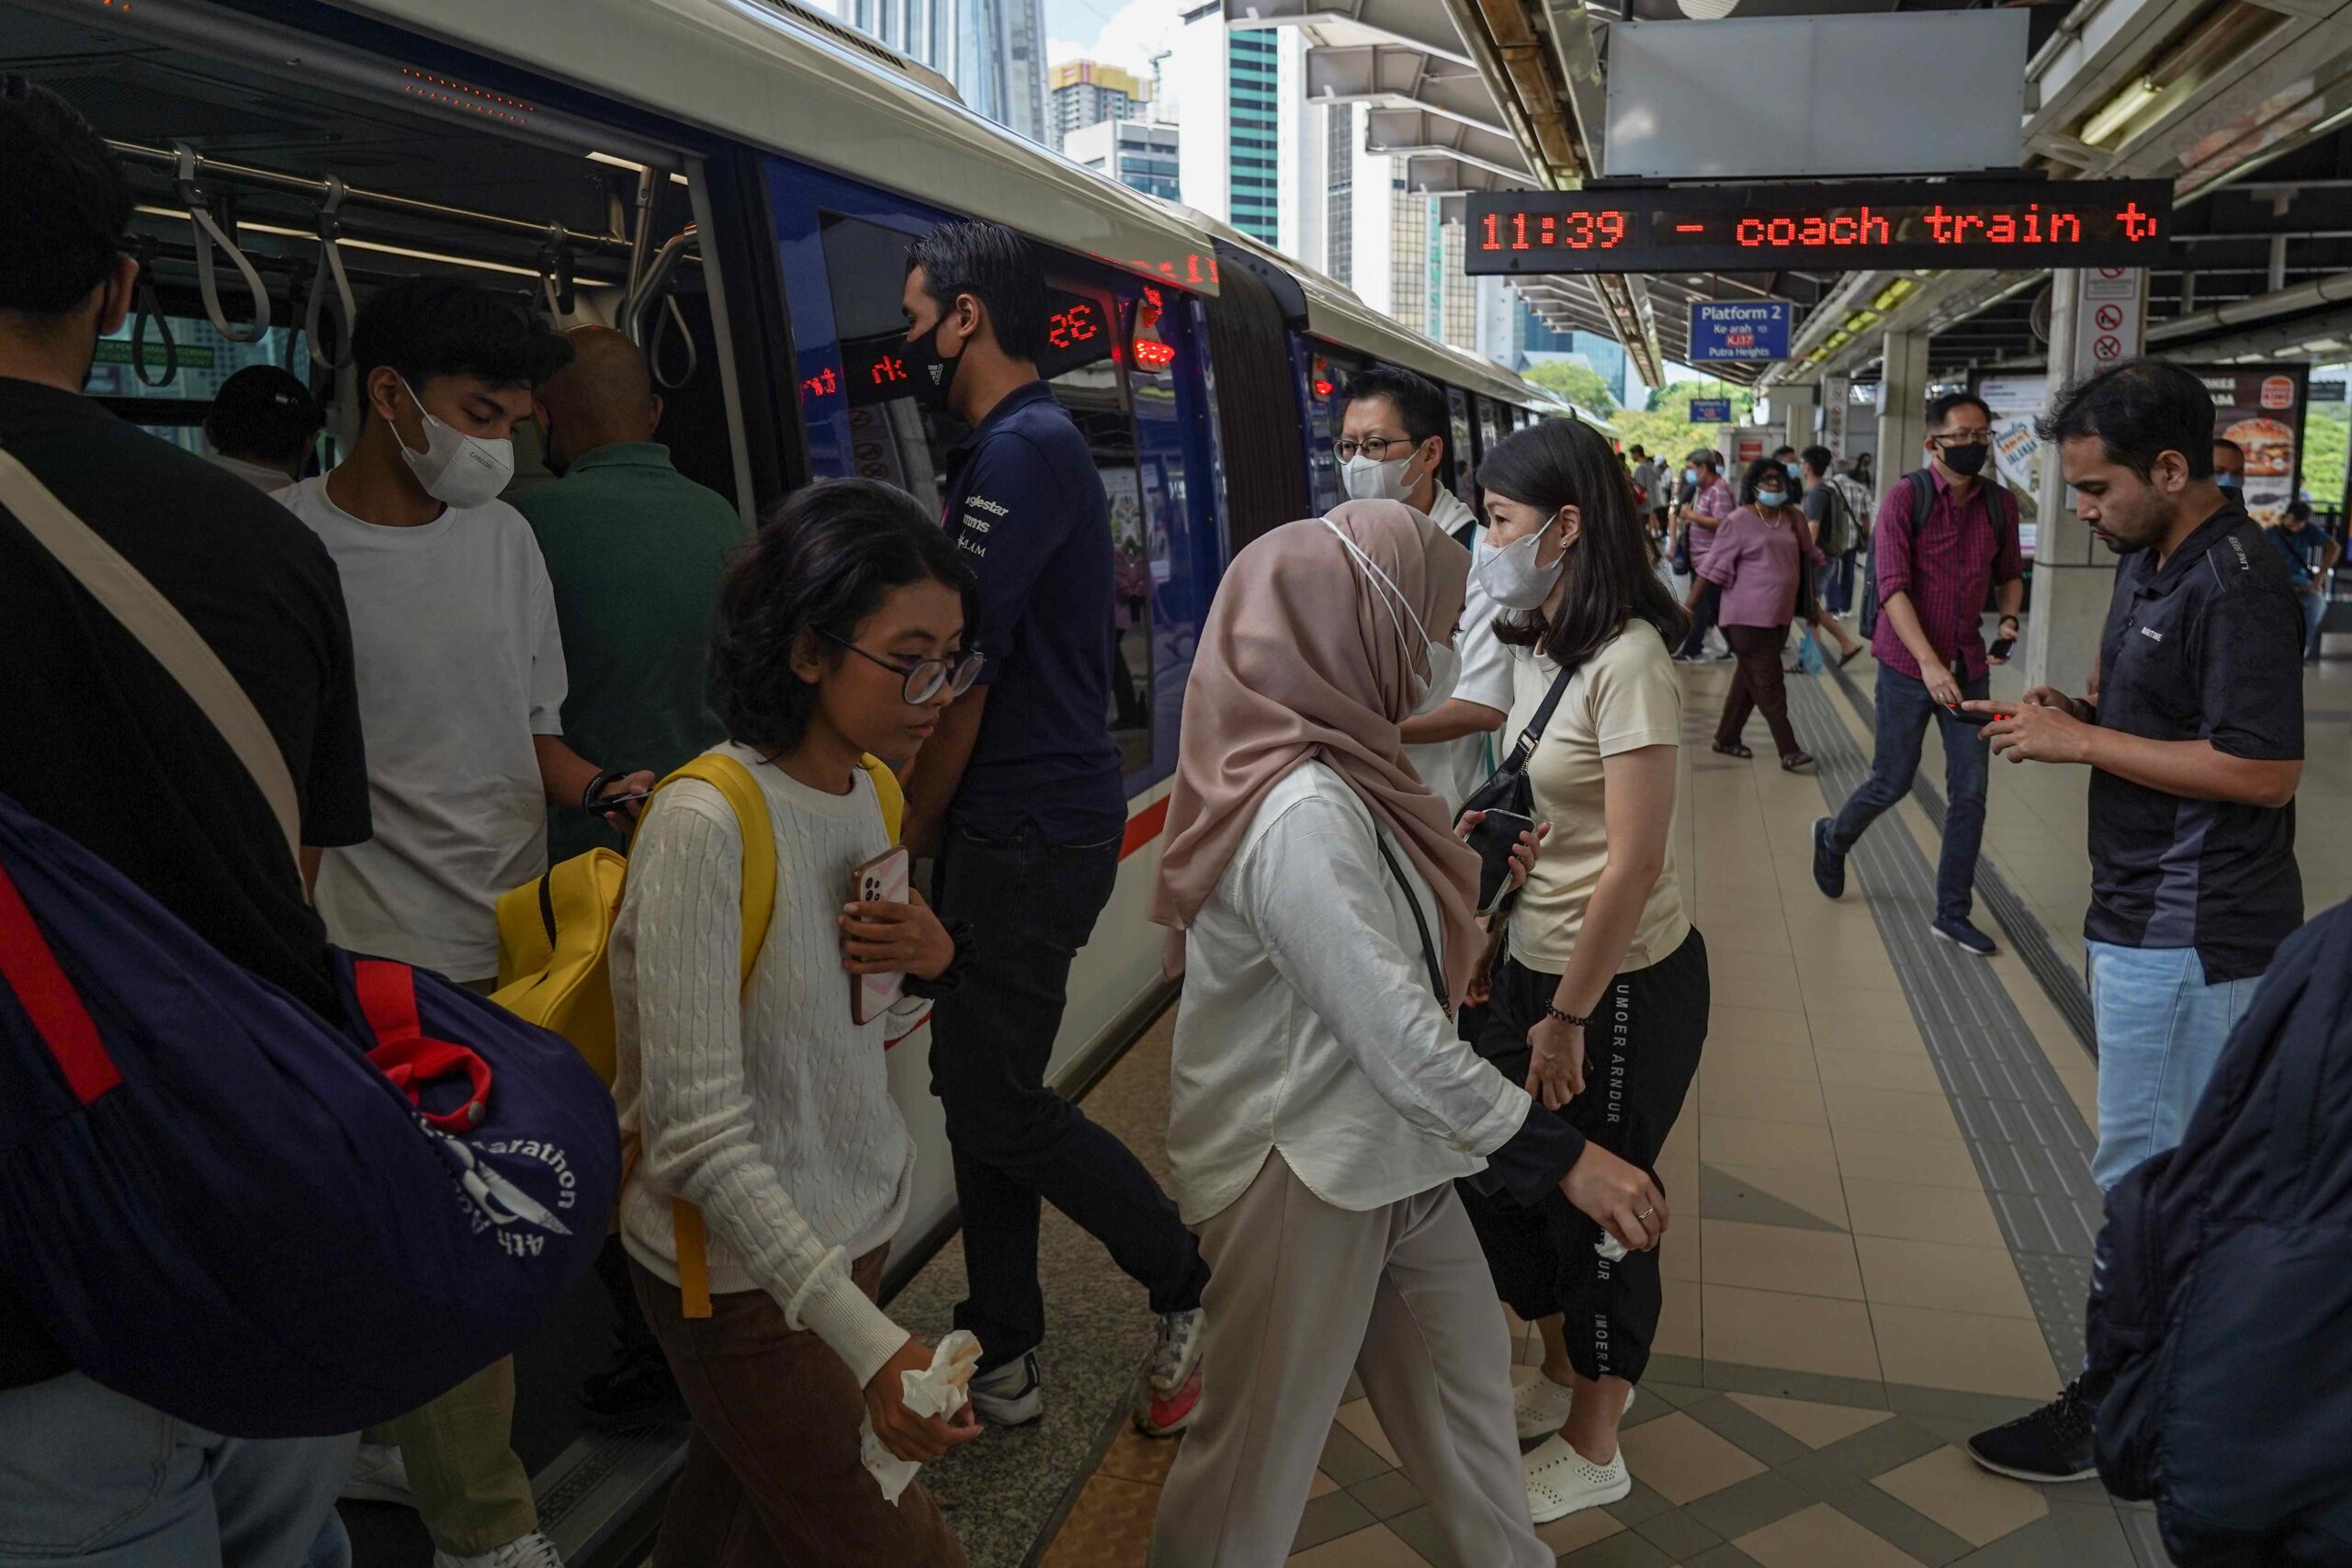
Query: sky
[{"x": 1125, "y": 33}]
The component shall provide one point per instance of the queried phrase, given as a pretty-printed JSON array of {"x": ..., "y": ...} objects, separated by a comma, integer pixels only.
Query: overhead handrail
[
  {"x": 150, "y": 307},
  {"x": 686, "y": 335},
  {"x": 557, "y": 262},
  {"x": 210, "y": 234},
  {"x": 330, "y": 229}
]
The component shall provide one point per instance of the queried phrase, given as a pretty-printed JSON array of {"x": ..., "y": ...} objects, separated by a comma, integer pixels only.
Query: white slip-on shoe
[
  {"x": 1541, "y": 1406},
  {"x": 1561, "y": 1480}
]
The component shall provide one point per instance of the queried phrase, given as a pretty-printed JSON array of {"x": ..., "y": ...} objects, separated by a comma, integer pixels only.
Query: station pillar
[
  {"x": 1903, "y": 406},
  {"x": 2074, "y": 574},
  {"x": 1795, "y": 405}
]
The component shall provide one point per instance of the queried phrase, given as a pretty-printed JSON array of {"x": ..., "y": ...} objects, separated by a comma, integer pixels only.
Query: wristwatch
[
  {"x": 603, "y": 781},
  {"x": 960, "y": 933},
  {"x": 1571, "y": 1019}
]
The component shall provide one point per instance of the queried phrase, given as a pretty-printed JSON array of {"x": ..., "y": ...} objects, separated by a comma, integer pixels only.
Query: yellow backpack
[{"x": 554, "y": 935}]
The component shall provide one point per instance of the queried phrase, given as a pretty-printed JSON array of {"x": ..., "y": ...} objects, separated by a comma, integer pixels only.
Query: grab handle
[{"x": 210, "y": 234}]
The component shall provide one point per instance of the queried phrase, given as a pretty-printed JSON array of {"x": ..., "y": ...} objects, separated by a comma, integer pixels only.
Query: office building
[
  {"x": 923, "y": 30},
  {"x": 1238, "y": 97},
  {"x": 1140, "y": 154},
  {"x": 1000, "y": 55},
  {"x": 1080, "y": 93}
]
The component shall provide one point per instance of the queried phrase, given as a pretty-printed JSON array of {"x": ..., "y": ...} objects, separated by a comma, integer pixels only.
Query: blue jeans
[
  {"x": 91, "y": 1477},
  {"x": 2314, "y": 611},
  {"x": 1904, "y": 709},
  {"x": 2161, "y": 1029},
  {"x": 1838, "y": 592}
]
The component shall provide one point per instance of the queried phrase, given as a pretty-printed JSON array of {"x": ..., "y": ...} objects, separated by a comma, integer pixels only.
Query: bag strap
[
  {"x": 1534, "y": 733},
  {"x": 1420, "y": 922},
  {"x": 160, "y": 629}
]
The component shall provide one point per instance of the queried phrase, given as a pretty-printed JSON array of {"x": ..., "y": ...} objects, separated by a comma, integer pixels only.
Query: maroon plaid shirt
[{"x": 1947, "y": 567}]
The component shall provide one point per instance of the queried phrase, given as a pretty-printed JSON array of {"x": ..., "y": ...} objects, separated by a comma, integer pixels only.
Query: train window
[
  {"x": 1465, "y": 457},
  {"x": 1490, "y": 425},
  {"x": 170, "y": 388}
]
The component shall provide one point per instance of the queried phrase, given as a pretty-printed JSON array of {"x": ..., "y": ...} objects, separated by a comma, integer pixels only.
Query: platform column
[
  {"x": 1796, "y": 406},
  {"x": 1903, "y": 405}
]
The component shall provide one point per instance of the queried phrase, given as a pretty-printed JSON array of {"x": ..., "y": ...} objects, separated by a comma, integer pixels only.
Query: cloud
[{"x": 1129, "y": 36}]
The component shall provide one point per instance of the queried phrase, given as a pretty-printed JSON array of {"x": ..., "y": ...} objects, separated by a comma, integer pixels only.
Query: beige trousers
[{"x": 1301, "y": 1294}]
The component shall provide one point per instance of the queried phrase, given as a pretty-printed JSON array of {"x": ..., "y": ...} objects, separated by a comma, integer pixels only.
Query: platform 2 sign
[
  {"x": 1850, "y": 227},
  {"x": 1738, "y": 331},
  {"x": 1710, "y": 411}
]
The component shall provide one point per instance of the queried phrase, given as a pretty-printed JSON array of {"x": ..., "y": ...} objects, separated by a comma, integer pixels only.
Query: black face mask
[
  {"x": 929, "y": 374},
  {"x": 1965, "y": 461}
]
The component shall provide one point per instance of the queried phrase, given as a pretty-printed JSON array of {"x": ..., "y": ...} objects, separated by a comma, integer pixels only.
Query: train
[{"x": 734, "y": 183}]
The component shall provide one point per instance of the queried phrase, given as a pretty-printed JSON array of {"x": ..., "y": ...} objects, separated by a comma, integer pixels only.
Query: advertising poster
[
  {"x": 2260, "y": 407},
  {"x": 2016, "y": 400}
]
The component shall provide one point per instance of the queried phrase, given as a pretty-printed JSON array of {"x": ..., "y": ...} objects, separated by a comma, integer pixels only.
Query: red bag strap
[
  {"x": 50, "y": 999},
  {"x": 406, "y": 1055}
]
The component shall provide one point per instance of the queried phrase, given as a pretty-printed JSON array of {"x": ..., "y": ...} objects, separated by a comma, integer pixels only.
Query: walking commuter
[
  {"x": 1830, "y": 509},
  {"x": 262, "y": 426},
  {"x": 2310, "y": 557},
  {"x": 1322, "y": 1100},
  {"x": 1599, "y": 1004},
  {"x": 1712, "y": 501},
  {"x": 761, "y": 1102},
  {"x": 1645, "y": 478},
  {"x": 1019, "y": 797},
  {"x": 461, "y": 685},
  {"x": 2194, "y": 743},
  {"x": 1393, "y": 423},
  {"x": 99, "y": 741},
  {"x": 1759, "y": 562},
  {"x": 1945, "y": 538},
  {"x": 634, "y": 551}
]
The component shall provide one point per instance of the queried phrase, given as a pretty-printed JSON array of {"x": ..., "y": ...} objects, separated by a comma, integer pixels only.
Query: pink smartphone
[{"x": 885, "y": 879}]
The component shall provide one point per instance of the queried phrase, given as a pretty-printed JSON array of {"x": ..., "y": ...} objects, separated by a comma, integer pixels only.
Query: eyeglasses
[
  {"x": 924, "y": 678},
  {"x": 1372, "y": 447},
  {"x": 1963, "y": 438}
]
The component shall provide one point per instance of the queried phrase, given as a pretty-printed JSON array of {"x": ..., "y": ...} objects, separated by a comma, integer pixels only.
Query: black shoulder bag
[{"x": 1509, "y": 800}]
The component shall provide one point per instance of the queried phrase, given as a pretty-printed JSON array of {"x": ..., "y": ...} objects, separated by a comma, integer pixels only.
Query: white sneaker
[
  {"x": 378, "y": 1476},
  {"x": 1541, "y": 1406},
  {"x": 1561, "y": 1480},
  {"x": 1011, "y": 1396},
  {"x": 534, "y": 1550}
]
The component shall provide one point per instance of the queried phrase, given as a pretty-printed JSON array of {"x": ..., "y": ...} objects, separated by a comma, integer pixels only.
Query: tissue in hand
[{"x": 937, "y": 1389}]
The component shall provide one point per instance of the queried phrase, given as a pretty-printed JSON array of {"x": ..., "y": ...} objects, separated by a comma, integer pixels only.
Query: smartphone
[
  {"x": 885, "y": 879},
  {"x": 2001, "y": 650},
  {"x": 1966, "y": 716},
  {"x": 632, "y": 797},
  {"x": 1493, "y": 839}
]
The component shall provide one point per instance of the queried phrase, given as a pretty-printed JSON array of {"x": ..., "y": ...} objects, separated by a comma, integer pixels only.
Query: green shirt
[{"x": 636, "y": 550}]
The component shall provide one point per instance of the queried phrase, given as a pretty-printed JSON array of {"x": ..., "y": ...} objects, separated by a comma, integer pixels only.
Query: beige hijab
[{"x": 1301, "y": 661}]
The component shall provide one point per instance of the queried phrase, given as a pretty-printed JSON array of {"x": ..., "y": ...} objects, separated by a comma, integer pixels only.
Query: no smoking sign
[{"x": 2106, "y": 348}]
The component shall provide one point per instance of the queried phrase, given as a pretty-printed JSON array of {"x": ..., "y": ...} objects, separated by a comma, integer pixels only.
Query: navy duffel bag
[{"x": 228, "y": 1207}]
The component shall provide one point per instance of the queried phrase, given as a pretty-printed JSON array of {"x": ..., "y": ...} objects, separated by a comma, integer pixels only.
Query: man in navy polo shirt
[
  {"x": 2194, "y": 743},
  {"x": 1018, "y": 798}
]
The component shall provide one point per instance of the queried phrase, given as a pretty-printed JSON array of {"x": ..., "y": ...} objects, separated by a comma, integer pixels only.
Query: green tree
[
  {"x": 2327, "y": 430},
  {"x": 1577, "y": 383},
  {"x": 1675, "y": 397}
]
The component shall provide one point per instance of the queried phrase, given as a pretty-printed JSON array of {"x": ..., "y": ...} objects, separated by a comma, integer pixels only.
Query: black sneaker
[
  {"x": 1828, "y": 865},
  {"x": 2053, "y": 1444},
  {"x": 1961, "y": 934},
  {"x": 637, "y": 1386}
]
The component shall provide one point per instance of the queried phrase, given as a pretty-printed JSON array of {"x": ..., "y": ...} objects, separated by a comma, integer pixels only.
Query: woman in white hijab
[{"x": 1323, "y": 1103}]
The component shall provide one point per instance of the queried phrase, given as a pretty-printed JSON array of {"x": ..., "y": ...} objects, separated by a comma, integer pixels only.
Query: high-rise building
[
  {"x": 923, "y": 29},
  {"x": 1238, "y": 96},
  {"x": 1080, "y": 93},
  {"x": 1001, "y": 57},
  {"x": 1138, "y": 152}
]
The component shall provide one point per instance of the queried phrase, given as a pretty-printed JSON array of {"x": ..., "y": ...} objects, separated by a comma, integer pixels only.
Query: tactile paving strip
[{"x": 2020, "y": 1125}]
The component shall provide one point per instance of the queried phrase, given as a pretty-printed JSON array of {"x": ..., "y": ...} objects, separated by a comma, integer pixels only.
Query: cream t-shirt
[{"x": 1624, "y": 697}]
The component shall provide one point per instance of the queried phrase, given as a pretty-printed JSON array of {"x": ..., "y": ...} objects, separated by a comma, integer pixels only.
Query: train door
[
  {"x": 1326, "y": 372},
  {"x": 1462, "y": 456},
  {"x": 1490, "y": 424}
]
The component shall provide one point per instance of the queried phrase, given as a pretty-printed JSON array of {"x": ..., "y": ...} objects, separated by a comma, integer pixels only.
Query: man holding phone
[
  {"x": 1935, "y": 564},
  {"x": 2194, "y": 738}
]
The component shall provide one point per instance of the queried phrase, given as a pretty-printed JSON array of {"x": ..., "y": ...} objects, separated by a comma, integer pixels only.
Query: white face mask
[
  {"x": 1509, "y": 576},
  {"x": 1444, "y": 664},
  {"x": 455, "y": 469},
  {"x": 1364, "y": 479}
]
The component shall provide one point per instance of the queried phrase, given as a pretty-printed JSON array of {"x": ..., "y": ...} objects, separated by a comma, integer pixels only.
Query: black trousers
[
  {"x": 1641, "y": 1052},
  {"x": 1757, "y": 683},
  {"x": 1702, "y": 620},
  {"x": 1032, "y": 905}
]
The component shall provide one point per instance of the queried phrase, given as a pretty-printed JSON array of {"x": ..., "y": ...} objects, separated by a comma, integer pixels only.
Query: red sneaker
[
  {"x": 1164, "y": 1415},
  {"x": 1172, "y": 1394}
]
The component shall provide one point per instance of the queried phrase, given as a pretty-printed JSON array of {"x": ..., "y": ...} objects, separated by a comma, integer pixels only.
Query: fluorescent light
[
  {"x": 2118, "y": 111},
  {"x": 630, "y": 165}
]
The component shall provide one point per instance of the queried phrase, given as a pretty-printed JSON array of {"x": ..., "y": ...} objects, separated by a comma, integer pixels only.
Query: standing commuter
[
  {"x": 1831, "y": 512},
  {"x": 1786, "y": 456},
  {"x": 461, "y": 685},
  {"x": 2311, "y": 556},
  {"x": 2195, "y": 744},
  {"x": 1758, "y": 563},
  {"x": 634, "y": 551},
  {"x": 1644, "y": 478},
  {"x": 760, "y": 1101},
  {"x": 1323, "y": 1102},
  {"x": 262, "y": 425},
  {"x": 1933, "y": 578},
  {"x": 1391, "y": 447},
  {"x": 1600, "y": 1005},
  {"x": 1712, "y": 501},
  {"x": 2228, "y": 468},
  {"x": 99, "y": 741},
  {"x": 1020, "y": 800}
]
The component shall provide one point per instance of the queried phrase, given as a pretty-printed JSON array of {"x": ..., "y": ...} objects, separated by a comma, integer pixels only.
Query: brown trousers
[
  {"x": 773, "y": 1478},
  {"x": 1757, "y": 682}
]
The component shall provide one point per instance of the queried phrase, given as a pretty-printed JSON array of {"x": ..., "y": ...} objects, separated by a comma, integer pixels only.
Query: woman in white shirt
[
  {"x": 1599, "y": 1004},
  {"x": 761, "y": 1103},
  {"x": 1323, "y": 1103}
]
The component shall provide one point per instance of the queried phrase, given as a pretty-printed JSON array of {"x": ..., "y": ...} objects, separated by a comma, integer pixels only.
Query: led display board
[
  {"x": 1077, "y": 333},
  {"x": 1852, "y": 226}
]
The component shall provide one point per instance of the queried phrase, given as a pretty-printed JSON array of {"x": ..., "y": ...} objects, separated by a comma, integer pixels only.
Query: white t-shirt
[
  {"x": 453, "y": 632},
  {"x": 1454, "y": 768}
]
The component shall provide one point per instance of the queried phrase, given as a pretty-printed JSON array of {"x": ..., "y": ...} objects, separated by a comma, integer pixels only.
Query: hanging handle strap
[
  {"x": 210, "y": 234},
  {"x": 164, "y": 632},
  {"x": 151, "y": 309},
  {"x": 673, "y": 316},
  {"x": 330, "y": 268},
  {"x": 408, "y": 1056}
]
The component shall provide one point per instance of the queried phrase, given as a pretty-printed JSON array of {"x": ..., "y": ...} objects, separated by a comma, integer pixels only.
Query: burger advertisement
[{"x": 2261, "y": 408}]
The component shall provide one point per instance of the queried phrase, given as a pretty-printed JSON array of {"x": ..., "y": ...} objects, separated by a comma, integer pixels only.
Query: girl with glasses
[{"x": 761, "y": 1103}]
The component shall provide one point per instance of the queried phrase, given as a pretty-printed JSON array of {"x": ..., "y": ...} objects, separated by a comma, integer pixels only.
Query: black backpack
[
  {"x": 2221, "y": 1296},
  {"x": 1922, "y": 491}
]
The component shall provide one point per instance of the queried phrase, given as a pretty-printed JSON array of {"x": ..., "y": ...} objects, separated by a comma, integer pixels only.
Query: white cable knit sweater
[{"x": 771, "y": 1111}]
